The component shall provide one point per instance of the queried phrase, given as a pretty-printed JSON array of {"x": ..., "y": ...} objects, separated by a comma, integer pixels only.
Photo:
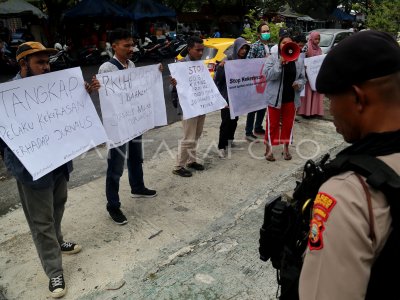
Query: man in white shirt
[{"x": 122, "y": 43}]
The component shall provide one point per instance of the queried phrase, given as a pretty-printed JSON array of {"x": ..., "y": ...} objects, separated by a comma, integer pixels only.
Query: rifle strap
[{"x": 370, "y": 212}]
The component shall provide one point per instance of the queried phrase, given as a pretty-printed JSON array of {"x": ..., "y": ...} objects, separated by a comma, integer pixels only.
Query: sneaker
[
  {"x": 196, "y": 166},
  {"x": 117, "y": 216},
  {"x": 70, "y": 248},
  {"x": 182, "y": 172},
  {"x": 57, "y": 286},
  {"x": 259, "y": 131},
  {"x": 145, "y": 193},
  {"x": 221, "y": 153},
  {"x": 252, "y": 138}
]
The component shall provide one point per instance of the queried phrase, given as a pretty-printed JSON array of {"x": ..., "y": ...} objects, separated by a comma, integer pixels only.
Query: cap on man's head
[
  {"x": 363, "y": 56},
  {"x": 29, "y": 48}
]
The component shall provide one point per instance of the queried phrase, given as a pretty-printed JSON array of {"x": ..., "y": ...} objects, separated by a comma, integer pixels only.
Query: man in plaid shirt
[{"x": 258, "y": 50}]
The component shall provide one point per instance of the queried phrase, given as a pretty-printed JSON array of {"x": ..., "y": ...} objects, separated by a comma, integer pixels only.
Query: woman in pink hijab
[{"x": 312, "y": 103}]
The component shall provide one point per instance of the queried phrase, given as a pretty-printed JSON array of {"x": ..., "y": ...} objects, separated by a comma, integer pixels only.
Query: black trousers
[{"x": 227, "y": 128}]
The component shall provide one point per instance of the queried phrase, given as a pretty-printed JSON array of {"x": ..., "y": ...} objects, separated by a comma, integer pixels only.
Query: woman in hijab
[
  {"x": 228, "y": 126},
  {"x": 312, "y": 103}
]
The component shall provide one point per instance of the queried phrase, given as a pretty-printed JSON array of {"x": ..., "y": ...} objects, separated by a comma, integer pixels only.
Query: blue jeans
[
  {"x": 259, "y": 120},
  {"x": 115, "y": 169}
]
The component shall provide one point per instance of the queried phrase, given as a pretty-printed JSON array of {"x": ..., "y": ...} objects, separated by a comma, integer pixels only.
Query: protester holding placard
[
  {"x": 312, "y": 103},
  {"x": 122, "y": 43},
  {"x": 259, "y": 49},
  {"x": 285, "y": 81},
  {"x": 193, "y": 127},
  {"x": 43, "y": 200},
  {"x": 228, "y": 126}
]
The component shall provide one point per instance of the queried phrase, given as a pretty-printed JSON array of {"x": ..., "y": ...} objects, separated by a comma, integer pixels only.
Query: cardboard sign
[
  {"x": 313, "y": 64},
  {"x": 132, "y": 102},
  {"x": 246, "y": 85},
  {"x": 47, "y": 120},
  {"x": 197, "y": 92}
]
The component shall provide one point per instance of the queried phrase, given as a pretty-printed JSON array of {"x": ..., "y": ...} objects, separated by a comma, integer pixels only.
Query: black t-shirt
[{"x": 289, "y": 76}]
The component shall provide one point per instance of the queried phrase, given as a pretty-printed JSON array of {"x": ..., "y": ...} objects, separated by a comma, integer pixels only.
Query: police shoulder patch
[{"x": 323, "y": 205}]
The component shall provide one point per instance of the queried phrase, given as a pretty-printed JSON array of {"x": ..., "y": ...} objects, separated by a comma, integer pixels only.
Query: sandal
[
  {"x": 269, "y": 157},
  {"x": 286, "y": 156}
]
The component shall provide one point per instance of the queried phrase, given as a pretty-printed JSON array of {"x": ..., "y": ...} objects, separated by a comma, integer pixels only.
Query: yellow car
[{"x": 215, "y": 50}]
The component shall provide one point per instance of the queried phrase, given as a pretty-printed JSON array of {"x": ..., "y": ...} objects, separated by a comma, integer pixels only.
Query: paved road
[
  {"x": 198, "y": 239},
  {"x": 93, "y": 164}
]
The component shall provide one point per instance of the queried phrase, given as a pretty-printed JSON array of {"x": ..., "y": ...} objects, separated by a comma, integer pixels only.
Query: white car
[{"x": 331, "y": 37}]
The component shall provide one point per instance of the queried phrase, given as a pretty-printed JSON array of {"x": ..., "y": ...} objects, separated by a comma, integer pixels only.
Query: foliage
[
  {"x": 272, "y": 5},
  {"x": 314, "y": 8},
  {"x": 385, "y": 17},
  {"x": 250, "y": 34}
]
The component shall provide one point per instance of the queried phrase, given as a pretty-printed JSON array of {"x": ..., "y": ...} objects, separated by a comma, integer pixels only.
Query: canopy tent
[
  {"x": 149, "y": 9},
  {"x": 288, "y": 12},
  {"x": 18, "y": 8},
  {"x": 305, "y": 18},
  {"x": 341, "y": 15},
  {"x": 97, "y": 9}
]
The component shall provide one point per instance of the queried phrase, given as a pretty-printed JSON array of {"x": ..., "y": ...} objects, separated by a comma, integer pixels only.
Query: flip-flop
[
  {"x": 286, "y": 156},
  {"x": 270, "y": 157}
]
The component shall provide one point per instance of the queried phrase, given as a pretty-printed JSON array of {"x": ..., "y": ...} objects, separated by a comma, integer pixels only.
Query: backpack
[{"x": 284, "y": 233}]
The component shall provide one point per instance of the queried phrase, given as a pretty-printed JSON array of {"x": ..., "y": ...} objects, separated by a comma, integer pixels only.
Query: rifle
[{"x": 284, "y": 233}]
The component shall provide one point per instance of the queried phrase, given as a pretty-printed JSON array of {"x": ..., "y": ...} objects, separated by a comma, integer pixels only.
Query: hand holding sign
[
  {"x": 132, "y": 102},
  {"x": 47, "y": 120},
  {"x": 197, "y": 92}
]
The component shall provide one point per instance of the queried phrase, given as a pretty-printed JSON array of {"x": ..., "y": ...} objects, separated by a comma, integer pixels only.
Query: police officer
[{"x": 351, "y": 221}]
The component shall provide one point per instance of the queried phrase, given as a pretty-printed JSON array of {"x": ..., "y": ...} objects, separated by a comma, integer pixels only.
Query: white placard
[
  {"x": 197, "y": 92},
  {"x": 246, "y": 85},
  {"x": 47, "y": 120},
  {"x": 132, "y": 102},
  {"x": 313, "y": 64}
]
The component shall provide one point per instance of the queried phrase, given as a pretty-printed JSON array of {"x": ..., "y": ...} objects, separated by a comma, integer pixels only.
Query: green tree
[
  {"x": 250, "y": 34},
  {"x": 272, "y": 5},
  {"x": 385, "y": 16},
  {"x": 314, "y": 8}
]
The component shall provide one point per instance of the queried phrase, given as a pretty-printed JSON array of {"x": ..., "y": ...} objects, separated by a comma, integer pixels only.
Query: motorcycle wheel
[{"x": 135, "y": 57}]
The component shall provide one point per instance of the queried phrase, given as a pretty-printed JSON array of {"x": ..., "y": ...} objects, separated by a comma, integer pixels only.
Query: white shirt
[
  {"x": 274, "y": 49},
  {"x": 109, "y": 67}
]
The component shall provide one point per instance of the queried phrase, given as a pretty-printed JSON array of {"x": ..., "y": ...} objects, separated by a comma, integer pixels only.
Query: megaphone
[{"x": 290, "y": 51}]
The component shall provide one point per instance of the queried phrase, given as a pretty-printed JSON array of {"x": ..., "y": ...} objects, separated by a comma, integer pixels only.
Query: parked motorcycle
[
  {"x": 137, "y": 54},
  {"x": 90, "y": 55},
  {"x": 62, "y": 59},
  {"x": 167, "y": 49},
  {"x": 8, "y": 63},
  {"x": 145, "y": 47},
  {"x": 151, "y": 51},
  {"x": 107, "y": 53},
  {"x": 179, "y": 44}
]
